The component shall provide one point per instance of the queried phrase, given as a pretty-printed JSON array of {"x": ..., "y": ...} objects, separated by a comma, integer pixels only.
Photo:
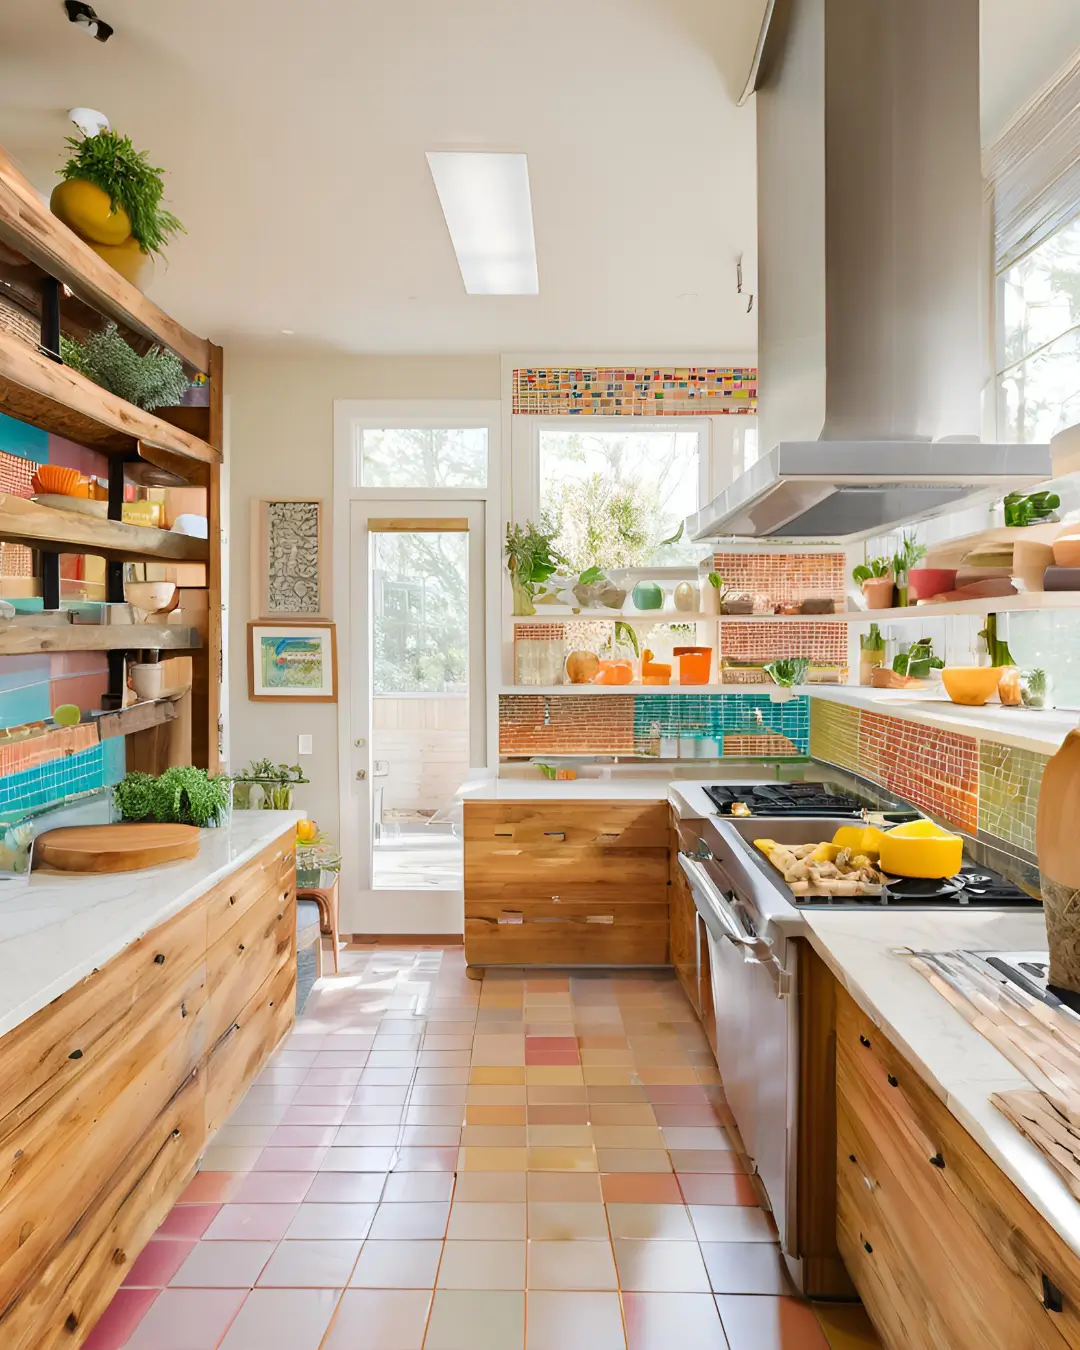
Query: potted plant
[
  {"x": 315, "y": 855},
  {"x": 875, "y": 578},
  {"x": 712, "y": 593},
  {"x": 111, "y": 198},
  {"x": 909, "y": 555},
  {"x": 1023, "y": 509},
  {"x": 183, "y": 794},
  {"x": 786, "y": 673},
  {"x": 871, "y": 653},
  {"x": 530, "y": 559},
  {"x": 154, "y": 380},
  {"x": 276, "y": 782},
  {"x": 909, "y": 668}
]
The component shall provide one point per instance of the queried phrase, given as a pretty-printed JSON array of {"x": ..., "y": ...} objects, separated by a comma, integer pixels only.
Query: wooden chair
[
  {"x": 326, "y": 897},
  {"x": 309, "y": 930}
]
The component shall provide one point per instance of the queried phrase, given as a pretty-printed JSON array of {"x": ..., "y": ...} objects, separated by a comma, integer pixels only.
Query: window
[
  {"x": 613, "y": 497},
  {"x": 1039, "y": 339},
  {"x": 420, "y": 598},
  {"x": 422, "y": 457}
]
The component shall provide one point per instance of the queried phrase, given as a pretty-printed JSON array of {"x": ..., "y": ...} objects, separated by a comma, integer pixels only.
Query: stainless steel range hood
[{"x": 870, "y": 276}]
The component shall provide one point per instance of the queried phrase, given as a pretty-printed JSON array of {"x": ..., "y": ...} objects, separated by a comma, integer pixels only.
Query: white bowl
[
  {"x": 195, "y": 526},
  {"x": 150, "y": 596}
]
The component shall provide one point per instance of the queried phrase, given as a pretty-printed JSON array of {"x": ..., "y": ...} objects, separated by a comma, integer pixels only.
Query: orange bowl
[
  {"x": 971, "y": 685},
  {"x": 59, "y": 480}
]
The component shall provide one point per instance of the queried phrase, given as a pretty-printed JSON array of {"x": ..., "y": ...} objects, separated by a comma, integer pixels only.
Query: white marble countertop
[
  {"x": 868, "y": 953},
  {"x": 55, "y": 930},
  {"x": 1025, "y": 728}
]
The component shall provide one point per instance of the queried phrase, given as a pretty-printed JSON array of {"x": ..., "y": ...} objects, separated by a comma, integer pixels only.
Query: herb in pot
[
  {"x": 909, "y": 555},
  {"x": 110, "y": 162},
  {"x": 530, "y": 558},
  {"x": 874, "y": 569},
  {"x": 156, "y": 380}
]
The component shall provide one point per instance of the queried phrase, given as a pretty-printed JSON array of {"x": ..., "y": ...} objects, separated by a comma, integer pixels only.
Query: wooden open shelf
[
  {"x": 55, "y": 398},
  {"x": 30, "y": 228},
  {"x": 17, "y": 639},
  {"x": 140, "y": 716},
  {"x": 24, "y": 522}
]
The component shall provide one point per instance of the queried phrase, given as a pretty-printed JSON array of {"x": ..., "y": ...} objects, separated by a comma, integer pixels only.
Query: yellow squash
[
  {"x": 84, "y": 208},
  {"x": 921, "y": 849}
]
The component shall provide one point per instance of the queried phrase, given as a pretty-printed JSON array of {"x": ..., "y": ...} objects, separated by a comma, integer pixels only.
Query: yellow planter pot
[
  {"x": 128, "y": 259},
  {"x": 84, "y": 208}
]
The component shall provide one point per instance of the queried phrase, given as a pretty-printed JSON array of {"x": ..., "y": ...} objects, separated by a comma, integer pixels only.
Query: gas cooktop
[
  {"x": 974, "y": 886},
  {"x": 796, "y": 799}
]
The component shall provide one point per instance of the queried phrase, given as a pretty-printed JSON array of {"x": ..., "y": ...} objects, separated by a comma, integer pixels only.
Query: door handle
[
  {"x": 361, "y": 774},
  {"x": 756, "y": 949}
]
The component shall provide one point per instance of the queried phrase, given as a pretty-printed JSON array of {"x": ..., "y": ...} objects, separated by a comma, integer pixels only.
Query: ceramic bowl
[
  {"x": 1067, "y": 549},
  {"x": 1031, "y": 558},
  {"x": 926, "y": 582},
  {"x": 971, "y": 685},
  {"x": 151, "y": 596}
]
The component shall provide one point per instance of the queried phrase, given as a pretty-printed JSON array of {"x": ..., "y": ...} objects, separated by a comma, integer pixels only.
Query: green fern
[
  {"x": 111, "y": 162},
  {"x": 156, "y": 380}
]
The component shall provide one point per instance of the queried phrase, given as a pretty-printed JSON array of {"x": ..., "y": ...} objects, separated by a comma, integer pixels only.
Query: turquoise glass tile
[
  {"x": 53, "y": 781},
  {"x": 115, "y": 759},
  {"x": 27, "y": 442},
  {"x": 712, "y": 716},
  {"x": 24, "y": 689}
]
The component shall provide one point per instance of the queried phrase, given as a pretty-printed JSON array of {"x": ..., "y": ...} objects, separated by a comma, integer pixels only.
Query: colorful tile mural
[
  {"x": 834, "y": 734},
  {"x": 660, "y": 391},
  {"x": 652, "y": 724},
  {"x": 784, "y": 578},
  {"x": 758, "y": 642},
  {"x": 1009, "y": 780}
]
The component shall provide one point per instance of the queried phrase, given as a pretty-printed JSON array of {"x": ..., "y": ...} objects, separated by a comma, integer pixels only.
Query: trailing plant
[
  {"x": 183, "y": 795},
  {"x": 531, "y": 558},
  {"x": 871, "y": 570},
  {"x": 918, "y": 661},
  {"x": 788, "y": 671},
  {"x": 155, "y": 380},
  {"x": 1021, "y": 509},
  {"x": 111, "y": 162}
]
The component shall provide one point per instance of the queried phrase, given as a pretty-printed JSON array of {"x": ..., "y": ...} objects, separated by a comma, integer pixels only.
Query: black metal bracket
[
  {"x": 50, "y": 579},
  {"x": 1053, "y": 1300},
  {"x": 50, "y": 318}
]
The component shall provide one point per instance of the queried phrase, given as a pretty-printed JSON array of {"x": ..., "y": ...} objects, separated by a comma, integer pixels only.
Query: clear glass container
[{"x": 1036, "y": 689}]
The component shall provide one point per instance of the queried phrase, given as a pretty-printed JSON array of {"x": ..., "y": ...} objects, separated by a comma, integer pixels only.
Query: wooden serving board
[{"x": 115, "y": 848}]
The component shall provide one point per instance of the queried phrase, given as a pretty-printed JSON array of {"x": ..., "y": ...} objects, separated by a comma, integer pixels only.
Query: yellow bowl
[
  {"x": 921, "y": 849},
  {"x": 971, "y": 685}
]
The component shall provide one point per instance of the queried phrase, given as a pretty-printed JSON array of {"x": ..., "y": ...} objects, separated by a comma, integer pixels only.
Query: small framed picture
[{"x": 292, "y": 662}]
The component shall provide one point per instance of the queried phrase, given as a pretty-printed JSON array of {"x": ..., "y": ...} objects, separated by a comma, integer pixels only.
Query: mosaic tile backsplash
[
  {"x": 668, "y": 726},
  {"x": 784, "y": 578},
  {"x": 658, "y": 391}
]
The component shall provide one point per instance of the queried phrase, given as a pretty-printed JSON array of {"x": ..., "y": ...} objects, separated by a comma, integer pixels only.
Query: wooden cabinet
[
  {"x": 946, "y": 1253},
  {"x": 566, "y": 883},
  {"x": 108, "y": 1095}
]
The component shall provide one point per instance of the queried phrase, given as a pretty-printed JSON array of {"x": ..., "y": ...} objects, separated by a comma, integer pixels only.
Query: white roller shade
[{"x": 1033, "y": 169}]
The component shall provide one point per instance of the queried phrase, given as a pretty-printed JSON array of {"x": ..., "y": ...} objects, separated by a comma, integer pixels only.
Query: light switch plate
[{"x": 303, "y": 745}]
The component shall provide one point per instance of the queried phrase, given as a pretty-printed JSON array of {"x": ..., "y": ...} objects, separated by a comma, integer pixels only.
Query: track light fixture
[{"x": 86, "y": 17}]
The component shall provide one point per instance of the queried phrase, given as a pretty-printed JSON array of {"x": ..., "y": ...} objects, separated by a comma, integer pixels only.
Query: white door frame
[{"x": 429, "y": 911}]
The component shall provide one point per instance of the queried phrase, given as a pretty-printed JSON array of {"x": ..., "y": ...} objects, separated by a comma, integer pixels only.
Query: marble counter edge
[
  {"x": 272, "y": 824},
  {"x": 965, "y": 1095}
]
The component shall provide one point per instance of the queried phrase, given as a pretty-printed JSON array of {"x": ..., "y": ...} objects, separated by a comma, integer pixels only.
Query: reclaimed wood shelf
[
  {"x": 25, "y": 522},
  {"x": 28, "y": 226},
  {"x": 25, "y": 639},
  {"x": 140, "y": 716},
  {"x": 38, "y": 390}
]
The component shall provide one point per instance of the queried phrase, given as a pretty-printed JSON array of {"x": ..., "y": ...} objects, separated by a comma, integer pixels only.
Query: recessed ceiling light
[
  {"x": 288, "y": 331},
  {"x": 485, "y": 199}
]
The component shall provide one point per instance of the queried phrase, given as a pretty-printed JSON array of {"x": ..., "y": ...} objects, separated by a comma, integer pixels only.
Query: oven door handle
[{"x": 758, "y": 950}]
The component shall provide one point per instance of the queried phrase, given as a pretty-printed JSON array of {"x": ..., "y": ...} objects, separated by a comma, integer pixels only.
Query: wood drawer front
[
  {"x": 607, "y": 897},
  {"x": 228, "y": 901},
  {"x": 254, "y": 948},
  {"x": 604, "y": 824},
  {"x": 938, "y": 1170},
  {"x": 55, "y": 1169},
  {"x": 92, "y": 1259},
  {"x": 45, "y": 1054},
  {"x": 535, "y": 933},
  {"x": 246, "y": 1046},
  {"x": 683, "y": 940},
  {"x": 553, "y": 865}
]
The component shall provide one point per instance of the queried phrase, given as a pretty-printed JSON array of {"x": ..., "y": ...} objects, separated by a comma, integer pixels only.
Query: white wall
[{"x": 282, "y": 445}]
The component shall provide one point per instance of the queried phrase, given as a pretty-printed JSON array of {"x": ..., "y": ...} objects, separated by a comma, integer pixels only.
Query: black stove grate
[{"x": 784, "y": 799}]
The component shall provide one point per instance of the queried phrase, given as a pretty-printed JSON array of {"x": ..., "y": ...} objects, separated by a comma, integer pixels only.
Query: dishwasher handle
[{"x": 755, "y": 948}]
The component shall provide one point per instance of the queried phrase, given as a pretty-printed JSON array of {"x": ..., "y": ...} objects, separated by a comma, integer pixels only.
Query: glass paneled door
[{"x": 417, "y": 703}]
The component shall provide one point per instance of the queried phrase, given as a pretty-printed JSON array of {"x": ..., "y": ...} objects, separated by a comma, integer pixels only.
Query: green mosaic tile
[
  {"x": 1009, "y": 781},
  {"x": 834, "y": 734}
]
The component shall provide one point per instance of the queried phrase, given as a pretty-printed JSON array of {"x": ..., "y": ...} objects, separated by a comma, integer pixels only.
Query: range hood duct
[{"x": 871, "y": 272}]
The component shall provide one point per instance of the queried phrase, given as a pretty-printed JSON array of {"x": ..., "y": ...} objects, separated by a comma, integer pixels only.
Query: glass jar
[{"x": 1036, "y": 689}]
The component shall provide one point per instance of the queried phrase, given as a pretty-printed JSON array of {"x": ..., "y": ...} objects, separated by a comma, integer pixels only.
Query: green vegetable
[
  {"x": 716, "y": 581},
  {"x": 870, "y": 570},
  {"x": 788, "y": 671},
  {"x": 918, "y": 661},
  {"x": 183, "y": 795},
  {"x": 67, "y": 715},
  {"x": 1023, "y": 510},
  {"x": 155, "y": 380},
  {"x": 873, "y": 641},
  {"x": 111, "y": 162}
]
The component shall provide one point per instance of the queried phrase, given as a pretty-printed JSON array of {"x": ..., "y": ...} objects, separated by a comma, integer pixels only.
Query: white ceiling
[{"x": 294, "y": 136}]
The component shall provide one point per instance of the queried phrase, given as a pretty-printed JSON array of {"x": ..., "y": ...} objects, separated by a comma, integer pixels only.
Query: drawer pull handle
[
  {"x": 600, "y": 918},
  {"x": 1052, "y": 1298},
  {"x": 75, "y": 1054},
  {"x": 867, "y": 1247},
  {"x": 893, "y": 1080},
  {"x": 852, "y": 1158},
  {"x": 232, "y": 899},
  {"x": 555, "y": 834},
  {"x": 504, "y": 834},
  {"x": 183, "y": 1009},
  {"x": 240, "y": 947},
  {"x": 938, "y": 1161},
  {"x": 159, "y": 960},
  {"x": 864, "y": 1041},
  {"x": 176, "y": 1133}
]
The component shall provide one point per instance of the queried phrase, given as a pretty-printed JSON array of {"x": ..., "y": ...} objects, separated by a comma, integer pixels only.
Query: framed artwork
[
  {"x": 289, "y": 560},
  {"x": 292, "y": 662}
]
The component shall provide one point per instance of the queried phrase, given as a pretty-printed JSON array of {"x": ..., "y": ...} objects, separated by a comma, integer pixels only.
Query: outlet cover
[{"x": 303, "y": 745}]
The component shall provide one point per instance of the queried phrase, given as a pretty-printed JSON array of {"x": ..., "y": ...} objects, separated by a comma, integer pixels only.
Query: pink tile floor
[{"x": 428, "y": 1163}]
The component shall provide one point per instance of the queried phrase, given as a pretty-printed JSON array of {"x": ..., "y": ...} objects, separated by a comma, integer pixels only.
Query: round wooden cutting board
[{"x": 115, "y": 848}]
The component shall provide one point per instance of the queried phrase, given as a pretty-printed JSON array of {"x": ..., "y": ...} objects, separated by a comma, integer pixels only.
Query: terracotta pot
[
  {"x": 1067, "y": 549},
  {"x": 878, "y": 592},
  {"x": 926, "y": 582}
]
